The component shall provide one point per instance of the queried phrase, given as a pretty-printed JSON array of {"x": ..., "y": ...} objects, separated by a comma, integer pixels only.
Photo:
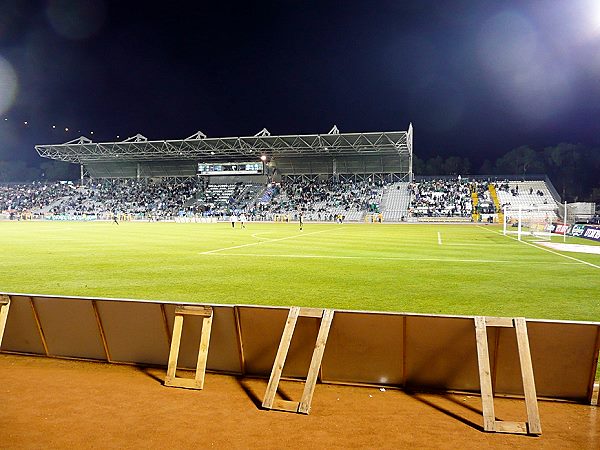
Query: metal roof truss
[{"x": 248, "y": 148}]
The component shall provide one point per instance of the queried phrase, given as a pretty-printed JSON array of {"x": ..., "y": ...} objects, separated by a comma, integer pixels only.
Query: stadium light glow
[
  {"x": 263, "y": 158},
  {"x": 8, "y": 85}
]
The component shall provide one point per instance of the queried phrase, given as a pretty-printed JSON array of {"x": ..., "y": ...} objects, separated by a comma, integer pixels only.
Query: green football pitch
[{"x": 437, "y": 269}]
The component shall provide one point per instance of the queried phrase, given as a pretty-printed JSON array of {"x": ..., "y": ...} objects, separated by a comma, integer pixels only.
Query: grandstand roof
[{"x": 204, "y": 149}]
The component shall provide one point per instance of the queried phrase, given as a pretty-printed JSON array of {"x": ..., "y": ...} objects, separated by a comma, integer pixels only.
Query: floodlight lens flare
[{"x": 8, "y": 85}]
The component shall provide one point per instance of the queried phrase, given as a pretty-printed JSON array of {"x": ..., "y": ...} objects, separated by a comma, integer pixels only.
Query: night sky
[{"x": 476, "y": 78}]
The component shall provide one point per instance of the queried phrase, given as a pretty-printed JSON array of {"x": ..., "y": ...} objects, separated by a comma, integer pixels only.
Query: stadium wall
[
  {"x": 144, "y": 169},
  {"x": 341, "y": 165}
]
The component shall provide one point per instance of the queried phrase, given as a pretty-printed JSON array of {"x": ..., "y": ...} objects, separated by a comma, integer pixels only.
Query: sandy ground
[{"x": 50, "y": 403}]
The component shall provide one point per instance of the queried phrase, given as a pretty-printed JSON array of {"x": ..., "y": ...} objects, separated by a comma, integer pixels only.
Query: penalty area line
[
  {"x": 439, "y": 238},
  {"x": 543, "y": 248},
  {"x": 383, "y": 258},
  {"x": 210, "y": 252}
]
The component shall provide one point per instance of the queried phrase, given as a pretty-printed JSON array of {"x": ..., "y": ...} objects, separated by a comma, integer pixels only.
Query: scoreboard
[{"x": 234, "y": 168}]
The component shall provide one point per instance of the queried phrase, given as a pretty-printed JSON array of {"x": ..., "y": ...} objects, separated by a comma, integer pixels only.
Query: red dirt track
[{"x": 54, "y": 403}]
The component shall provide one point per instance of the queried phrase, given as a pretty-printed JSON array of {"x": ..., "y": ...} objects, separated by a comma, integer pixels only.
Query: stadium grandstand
[{"x": 335, "y": 176}]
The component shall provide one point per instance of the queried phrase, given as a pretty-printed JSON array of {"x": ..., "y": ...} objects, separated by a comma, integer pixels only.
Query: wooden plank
[
  {"x": 163, "y": 313},
  {"x": 285, "y": 405},
  {"x": 203, "y": 351},
  {"x": 315, "y": 362},
  {"x": 506, "y": 322},
  {"x": 204, "y": 311},
  {"x": 101, "y": 331},
  {"x": 311, "y": 312},
  {"x": 533, "y": 414},
  {"x": 4, "y": 307},
  {"x": 503, "y": 426},
  {"x": 240, "y": 342},
  {"x": 595, "y": 395},
  {"x": 282, "y": 351},
  {"x": 404, "y": 346},
  {"x": 186, "y": 383},
  {"x": 174, "y": 352},
  {"x": 39, "y": 326},
  {"x": 494, "y": 361},
  {"x": 595, "y": 357},
  {"x": 485, "y": 380}
]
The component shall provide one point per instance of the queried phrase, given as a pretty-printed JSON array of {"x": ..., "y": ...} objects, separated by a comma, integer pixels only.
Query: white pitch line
[
  {"x": 256, "y": 235},
  {"x": 466, "y": 244},
  {"x": 439, "y": 238},
  {"x": 262, "y": 242},
  {"x": 543, "y": 248},
  {"x": 384, "y": 258}
]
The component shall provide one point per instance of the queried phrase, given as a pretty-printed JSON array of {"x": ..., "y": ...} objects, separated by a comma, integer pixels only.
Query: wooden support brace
[
  {"x": 533, "y": 425},
  {"x": 198, "y": 381},
  {"x": 303, "y": 406},
  {"x": 4, "y": 306},
  {"x": 595, "y": 394}
]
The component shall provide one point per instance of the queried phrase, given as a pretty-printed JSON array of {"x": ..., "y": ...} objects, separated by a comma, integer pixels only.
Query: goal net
[{"x": 534, "y": 222}]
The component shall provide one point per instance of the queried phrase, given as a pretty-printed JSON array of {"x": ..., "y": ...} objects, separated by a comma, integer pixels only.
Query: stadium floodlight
[{"x": 263, "y": 158}]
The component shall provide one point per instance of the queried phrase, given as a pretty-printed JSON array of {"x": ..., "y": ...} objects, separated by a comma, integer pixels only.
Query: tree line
[{"x": 574, "y": 169}]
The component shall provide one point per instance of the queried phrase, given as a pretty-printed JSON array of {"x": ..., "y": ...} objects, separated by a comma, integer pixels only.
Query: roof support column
[{"x": 335, "y": 174}]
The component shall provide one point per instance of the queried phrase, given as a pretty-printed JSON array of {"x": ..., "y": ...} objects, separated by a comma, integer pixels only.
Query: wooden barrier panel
[
  {"x": 134, "y": 331},
  {"x": 79, "y": 338},
  {"x": 441, "y": 353},
  {"x": 365, "y": 348},
  {"x": 21, "y": 333}
]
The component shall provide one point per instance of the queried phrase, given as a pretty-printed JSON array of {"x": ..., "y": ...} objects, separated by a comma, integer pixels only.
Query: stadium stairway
[
  {"x": 494, "y": 195},
  {"x": 475, "y": 202},
  {"x": 56, "y": 203}
]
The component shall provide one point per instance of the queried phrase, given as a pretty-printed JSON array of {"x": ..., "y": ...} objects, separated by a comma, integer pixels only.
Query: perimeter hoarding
[{"x": 411, "y": 351}]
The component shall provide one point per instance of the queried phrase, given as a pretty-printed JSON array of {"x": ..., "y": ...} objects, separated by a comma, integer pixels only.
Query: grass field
[{"x": 447, "y": 269}]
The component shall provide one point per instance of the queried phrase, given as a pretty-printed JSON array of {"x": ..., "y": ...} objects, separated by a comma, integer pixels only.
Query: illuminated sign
[{"x": 237, "y": 168}]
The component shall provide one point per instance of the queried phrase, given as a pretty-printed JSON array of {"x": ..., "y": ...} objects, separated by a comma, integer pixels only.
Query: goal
[{"x": 535, "y": 222}]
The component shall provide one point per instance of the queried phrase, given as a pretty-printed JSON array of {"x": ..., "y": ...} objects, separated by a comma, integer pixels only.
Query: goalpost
[{"x": 531, "y": 221}]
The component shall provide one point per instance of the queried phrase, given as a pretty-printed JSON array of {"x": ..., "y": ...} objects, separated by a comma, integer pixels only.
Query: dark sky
[{"x": 476, "y": 78}]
